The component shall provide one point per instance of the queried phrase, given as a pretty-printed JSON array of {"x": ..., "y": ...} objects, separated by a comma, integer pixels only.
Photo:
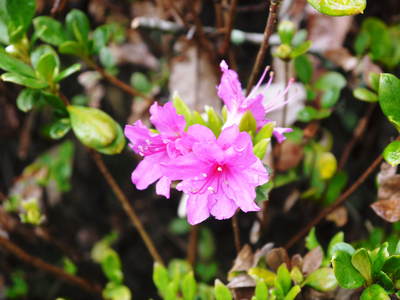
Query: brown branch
[
  {"x": 25, "y": 136},
  {"x": 236, "y": 232},
  {"x": 126, "y": 206},
  {"x": 40, "y": 264},
  {"x": 358, "y": 133},
  {"x": 342, "y": 198},
  {"x": 192, "y": 246},
  {"x": 269, "y": 28},
  {"x": 229, "y": 26}
]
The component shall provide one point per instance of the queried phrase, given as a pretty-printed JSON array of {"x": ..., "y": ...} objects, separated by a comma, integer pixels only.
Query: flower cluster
[{"x": 218, "y": 169}]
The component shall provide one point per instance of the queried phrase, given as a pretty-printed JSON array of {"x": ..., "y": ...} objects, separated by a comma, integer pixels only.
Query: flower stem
[
  {"x": 342, "y": 198},
  {"x": 192, "y": 245},
  {"x": 236, "y": 232},
  {"x": 269, "y": 27},
  {"x": 130, "y": 211},
  {"x": 40, "y": 264}
]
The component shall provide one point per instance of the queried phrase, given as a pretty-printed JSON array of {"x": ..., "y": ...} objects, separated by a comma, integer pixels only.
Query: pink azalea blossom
[
  {"x": 219, "y": 175},
  {"x": 157, "y": 148},
  {"x": 231, "y": 92}
]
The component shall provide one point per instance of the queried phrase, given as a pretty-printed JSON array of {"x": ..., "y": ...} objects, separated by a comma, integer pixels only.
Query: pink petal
[
  {"x": 147, "y": 171},
  {"x": 279, "y": 131},
  {"x": 228, "y": 136},
  {"x": 197, "y": 208},
  {"x": 166, "y": 120},
  {"x": 163, "y": 186},
  {"x": 230, "y": 89},
  {"x": 223, "y": 208}
]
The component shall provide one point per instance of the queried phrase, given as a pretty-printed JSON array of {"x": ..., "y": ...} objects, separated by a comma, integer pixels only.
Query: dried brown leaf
[
  {"x": 339, "y": 216},
  {"x": 388, "y": 210},
  {"x": 297, "y": 261},
  {"x": 312, "y": 260},
  {"x": 244, "y": 260},
  {"x": 276, "y": 257},
  {"x": 290, "y": 155}
]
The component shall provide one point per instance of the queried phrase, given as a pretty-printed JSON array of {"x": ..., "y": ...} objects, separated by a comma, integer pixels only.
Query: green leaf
[
  {"x": 27, "y": 99},
  {"x": 327, "y": 165},
  {"x": 347, "y": 276},
  {"x": 373, "y": 80},
  {"x": 214, "y": 122},
  {"x": 335, "y": 187},
  {"x": 188, "y": 287},
  {"x": 260, "y": 148},
  {"x": 96, "y": 129},
  {"x": 14, "y": 65},
  {"x": 182, "y": 108},
  {"x": 384, "y": 280},
  {"x": 362, "y": 262},
  {"x": 262, "y": 274},
  {"x": 330, "y": 97},
  {"x": 392, "y": 264},
  {"x": 362, "y": 43},
  {"x": 392, "y": 153},
  {"x": 23, "y": 80},
  {"x": 59, "y": 128},
  {"x": 283, "y": 282},
  {"x": 261, "y": 291},
  {"x": 330, "y": 80},
  {"x": 307, "y": 114},
  {"x": 71, "y": 47},
  {"x": 339, "y": 7},
  {"x": 115, "y": 291},
  {"x": 301, "y": 49},
  {"x": 37, "y": 54},
  {"x": 107, "y": 59},
  {"x": 345, "y": 247},
  {"x": 322, "y": 280},
  {"x": 248, "y": 123},
  {"x": 19, "y": 287},
  {"x": 160, "y": 277},
  {"x": 286, "y": 31},
  {"x": 294, "y": 291},
  {"x": 49, "y": 30},
  {"x": 380, "y": 40},
  {"x": 337, "y": 238},
  {"x": 67, "y": 72},
  {"x": 304, "y": 68},
  {"x": 78, "y": 26},
  {"x": 140, "y": 82},
  {"x": 221, "y": 292},
  {"x": 374, "y": 292},
  {"x": 311, "y": 240},
  {"x": 265, "y": 132},
  {"x": 111, "y": 265},
  {"x": 379, "y": 258},
  {"x": 47, "y": 67},
  {"x": 365, "y": 95},
  {"x": 101, "y": 36},
  {"x": 69, "y": 266},
  {"x": 389, "y": 100},
  {"x": 17, "y": 15}
]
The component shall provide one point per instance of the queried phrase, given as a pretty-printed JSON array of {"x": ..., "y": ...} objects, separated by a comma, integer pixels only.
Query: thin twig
[
  {"x": 58, "y": 6},
  {"x": 40, "y": 264},
  {"x": 342, "y": 198},
  {"x": 269, "y": 28},
  {"x": 236, "y": 232},
  {"x": 192, "y": 245},
  {"x": 130, "y": 211},
  {"x": 229, "y": 26},
  {"x": 25, "y": 136},
  {"x": 358, "y": 133}
]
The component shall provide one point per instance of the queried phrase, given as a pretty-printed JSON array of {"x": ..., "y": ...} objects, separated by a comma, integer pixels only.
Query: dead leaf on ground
[
  {"x": 244, "y": 260},
  {"x": 276, "y": 257},
  {"x": 312, "y": 260},
  {"x": 260, "y": 253},
  {"x": 297, "y": 261},
  {"x": 388, "y": 210},
  {"x": 241, "y": 281},
  {"x": 339, "y": 216}
]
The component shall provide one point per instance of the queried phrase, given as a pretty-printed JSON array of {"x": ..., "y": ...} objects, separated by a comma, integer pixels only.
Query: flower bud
[
  {"x": 286, "y": 31},
  {"x": 283, "y": 51}
]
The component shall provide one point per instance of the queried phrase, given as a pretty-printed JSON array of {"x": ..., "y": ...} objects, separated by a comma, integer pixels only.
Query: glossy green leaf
[
  {"x": 330, "y": 97},
  {"x": 301, "y": 49},
  {"x": 115, "y": 291},
  {"x": 49, "y": 30},
  {"x": 78, "y": 26},
  {"x": 392, "y": 264},
  {"x": 339, "y": 7},
  {"x": 23, "y": 80},
  {"x": 335, "y": 187},
  {"x": 67, "y": 72},
  {"x": 311, "y": 240},
  {"x": 362, "y": 263},
  {"x": 140, "y": 82},
  {"x": 392, "y": 153},
  {"x": 330, "y": 80},
  {"x": 248, "y": 122},
  {"x": 27, "y": 98},
  {"x": 14, "y": 65},
  {"x": 261, "y": 291},
  {"x": 307, "y": 114},
  {"x": 111, "y": 265},
  {"x": 365, "y": 95},
  {"x": 283, "y": 282},
  {"x": 262, "y": 274},
  {"x": 293, "y": 292},
  {"x": 337, "y": 238},
  {"x": 188, "y": 287},
  {"x": 47, "y": 67},
  {"x": 260, "y": 149},
  {"x": 389, "y": 100},
  {"x": 221, "y": 292},
  {"x": 96, "y": 129},
  {"x": 380, "y": 40},
  {"x": 182, "y": 108},
  {"x": 341, "y": 246},
  {"x": 346, "y": 275},
  {"x": 265, "y": 132},
  {"x": 304, "y": 68},
  {"x": 384, "y": 280},
  {"x": 214, "y": 122},
  {"x": 362, "y": 43},
  {"x": 379, "y": 258},
  {"x": 160, "y": 277},
  {"x": 59, "y": 128},
  {"x": 322, "y": 280},
  {"x": 71, "y": 47},
  {"x": 107, "y": 59},
  {"x": 374, "y": 292}
]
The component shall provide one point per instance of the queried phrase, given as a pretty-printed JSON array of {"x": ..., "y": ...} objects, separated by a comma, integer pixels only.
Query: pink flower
[
  {"x": 219, "y": 175},
  {"x": 230, "y": 91},
  {"x": 156, "y": 148}
]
